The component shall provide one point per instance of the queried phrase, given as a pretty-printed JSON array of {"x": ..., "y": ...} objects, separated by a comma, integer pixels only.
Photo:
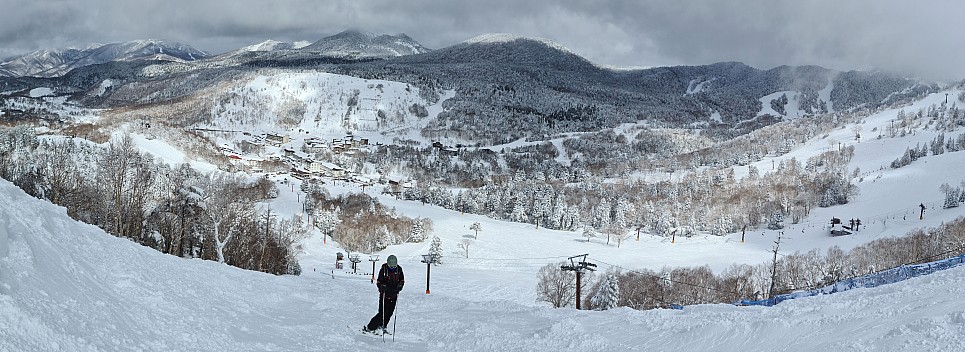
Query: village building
[
  {"x": 332, "y": 169},
  {"x": 277, "y": 139}
]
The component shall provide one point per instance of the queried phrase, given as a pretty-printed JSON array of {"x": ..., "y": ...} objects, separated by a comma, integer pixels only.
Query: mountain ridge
[
  {"x": 359, "y": 44},
  {"x": 57, "y": 62}
]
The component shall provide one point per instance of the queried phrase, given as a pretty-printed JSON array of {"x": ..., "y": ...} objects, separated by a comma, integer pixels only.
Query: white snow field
[{"x": 67, "y": 286}]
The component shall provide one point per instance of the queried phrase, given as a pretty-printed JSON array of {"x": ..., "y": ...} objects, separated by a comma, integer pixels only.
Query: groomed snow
[
  {"x": 167, "y": 153},
  {"x": 66, "y": 286}
]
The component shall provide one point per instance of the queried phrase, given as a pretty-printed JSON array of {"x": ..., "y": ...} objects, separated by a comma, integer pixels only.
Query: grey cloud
[{"x": 920, "y": 37}]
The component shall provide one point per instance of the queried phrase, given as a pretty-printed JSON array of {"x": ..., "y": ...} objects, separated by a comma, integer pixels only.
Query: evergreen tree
[
  {"x": 776, "y": 221},
  {"x": 608, "y": 295},
  {"x": 953, "y": 195},
  {"x": 417, "y": 233},
  {"x": 557, "y": 217},
  {"x": 621, "y": 212},
  {"x": 601, "y": 215},
  {"x": 665, "y": 224},
  {"x": 571, "y": 221},
  {"x": 519, "y": 211},
  {"x": 435, "y": 250},
  {"x": 722, "y": 226},
  {"x": 541, "y": 208}
]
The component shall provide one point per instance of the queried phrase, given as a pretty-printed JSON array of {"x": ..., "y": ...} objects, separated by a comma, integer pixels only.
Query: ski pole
[
  {"x": 395, "y": 321},
  {"x": 382, "y": 311}
]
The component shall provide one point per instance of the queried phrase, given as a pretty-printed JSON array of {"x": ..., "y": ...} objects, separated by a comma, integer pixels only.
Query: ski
[
  {"x": 377, "y": 334},
  {"x": 374, "y": 333}
]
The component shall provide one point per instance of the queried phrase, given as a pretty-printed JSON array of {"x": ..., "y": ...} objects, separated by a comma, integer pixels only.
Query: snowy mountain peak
[
  {"x": 358, "y": 44},
  {"x": 152, "y": 48},
  {"x": 496, "y": 38},
  {"x": 354, "y": 33},
  {"x": 269, "y": 45}
]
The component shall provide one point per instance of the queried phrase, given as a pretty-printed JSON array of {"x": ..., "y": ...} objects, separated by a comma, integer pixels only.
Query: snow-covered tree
[
  {"x": 417, "y": 233},
  {"x": 435, "y": 250},
  {"x": 776, "y": 222},
  {"x": 953, "y": 195},
  {"x": 326, "y": 221},
  {"x": 519, "y": 211},
  {"x": 838, "y": 190},
  {"x": 589, "y": 233},
  {"x": 541, "y": 207},
  {"x": 383, "y": 239},
  {"x": 665, "y": 223},
  {"x": 476, "y": 227},
  {"x": 622, "y": 211},
  {"x": 721, "y": 226},
  {"x": 225, "y": 208},
  {"x": 571, "y": 220},
  {"x": 601, "y": 215},
  {"x": 608, "y": 294},
  {"x": 558, "y": 214}
]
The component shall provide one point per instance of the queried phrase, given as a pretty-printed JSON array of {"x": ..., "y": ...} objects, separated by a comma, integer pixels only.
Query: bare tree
[
  {"x": 464, "y": 245},
  {"x": 555, "y": 286},
  {"x": 621, "y": 235},
  {"x": 226, "y": 207}
]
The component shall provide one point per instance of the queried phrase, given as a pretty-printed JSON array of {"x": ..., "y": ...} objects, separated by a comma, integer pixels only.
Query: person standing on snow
[{"x": 390, "y": 282}]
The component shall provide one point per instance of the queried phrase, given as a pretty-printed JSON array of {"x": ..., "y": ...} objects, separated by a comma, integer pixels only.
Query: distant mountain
[
  {"x": 357, "y": 44},
  {"x": 507, "y": 87},
  {"x": 510, "y": 87},
  {"x": 508, "y": 50},
  {"x": 54, "y": 63},
  {"x": 274, "y": 45}
]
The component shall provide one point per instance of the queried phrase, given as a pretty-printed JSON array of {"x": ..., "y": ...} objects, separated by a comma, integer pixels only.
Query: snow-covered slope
[
  {"x": 324, "y": 104},
  {"x": 272, "y": 45},
  {"x": 358, "y": 44},
  {"x": 495, "y": 38},
  {"x": 52, "y": 63},
  {"x": 71, "y": 287}
]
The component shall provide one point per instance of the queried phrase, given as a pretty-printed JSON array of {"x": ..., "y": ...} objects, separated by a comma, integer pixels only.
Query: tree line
[
  {"x": 710, "y": 201},
  {"x": 668, "y": 287},
  {"x": 359, "y": 222},
  {"x": 174, "y": 209}
]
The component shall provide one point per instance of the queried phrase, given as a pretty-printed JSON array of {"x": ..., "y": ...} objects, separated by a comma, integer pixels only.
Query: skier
[{"x": 390, "y": 282}]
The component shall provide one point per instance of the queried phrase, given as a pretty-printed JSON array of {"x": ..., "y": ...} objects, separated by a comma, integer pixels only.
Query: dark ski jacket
[{"x": 390, "y": 280}]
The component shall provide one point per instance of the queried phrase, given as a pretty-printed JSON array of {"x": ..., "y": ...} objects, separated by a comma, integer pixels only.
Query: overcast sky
[{"x": 918, "y": 37}]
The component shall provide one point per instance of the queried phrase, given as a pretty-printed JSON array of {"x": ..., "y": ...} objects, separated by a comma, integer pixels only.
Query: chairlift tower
[
  {"x": 429, "y": 259},
  {"x": 373, "y": 258},
  {"x": 354, "y": 258},
  {"x": 578, "y": 267}
]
